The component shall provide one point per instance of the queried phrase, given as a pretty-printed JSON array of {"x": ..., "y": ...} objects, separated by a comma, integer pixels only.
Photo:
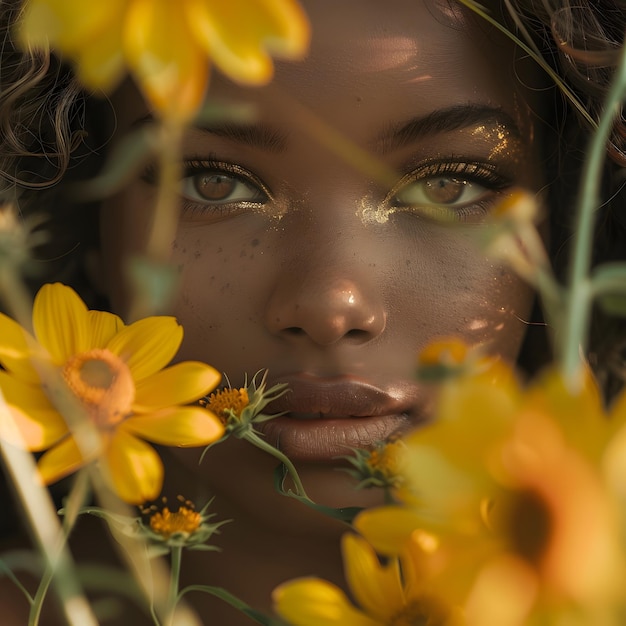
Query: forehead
[{"x": 390, "y": 60}]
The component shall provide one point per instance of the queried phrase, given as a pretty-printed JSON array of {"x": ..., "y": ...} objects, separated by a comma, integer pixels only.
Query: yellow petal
[
  {"x": 16, "y": 347},
  {"x": 169, "y": 65},
  {"x": 376, "y": 588},
  {"x": 135, "y": 468},
  {"x": 177, "y": 426},
  {"x": 67, "y": 24},
  {"x": 30, "y": 421},
  {"x": 22, "y": 431},
  {"x": 148, "y": 345},
  {"x": 238, "y": 35},
  {"x": 182, "y": 383},
  {"x": 316, "y": 602},
  {"x": 100, "y": 65},
  {"x": 104, "y": 326},
  {"x": 60, "y": 461},
  {"x": 61, "y": 322},
  {"x": 388, "y": 528}
]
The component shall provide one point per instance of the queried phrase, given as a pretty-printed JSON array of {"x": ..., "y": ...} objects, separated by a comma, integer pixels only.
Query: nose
[{"x": 325, "y": 309}]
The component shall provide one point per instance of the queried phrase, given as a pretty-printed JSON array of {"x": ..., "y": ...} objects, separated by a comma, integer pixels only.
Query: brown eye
[
  {"x": 214, "y": 187},
  {"x": 440, "y": 191},
  {"x": 444, "y": 190}
]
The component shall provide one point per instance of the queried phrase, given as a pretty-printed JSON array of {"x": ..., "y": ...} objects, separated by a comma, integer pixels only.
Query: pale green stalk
[
  {"x": 49, "y": 538},
  {"x": 175, "y": 563},
  {"x": 153, "y": 277},
  {"x": 276, "y": 453},
  {"x": 571, "y": 345}
]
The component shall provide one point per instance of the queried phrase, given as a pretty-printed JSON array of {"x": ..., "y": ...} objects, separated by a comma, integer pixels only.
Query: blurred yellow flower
[
  {"x": 116, "y": 373},
  {"x": 168, "y": 46},
  {"x": 516, "y": 485},
  {"x": 395, "y": 593}
]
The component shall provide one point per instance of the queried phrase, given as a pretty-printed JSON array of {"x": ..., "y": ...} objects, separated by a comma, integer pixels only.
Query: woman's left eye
[
  {"x": 444, "y": 190},
  {"x": 215, "y": 187},
  {"x": 449, "y": 191}
]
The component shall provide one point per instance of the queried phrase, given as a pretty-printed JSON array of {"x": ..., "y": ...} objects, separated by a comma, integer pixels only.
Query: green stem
[
  {"x": 75, "y": 500},
  {"x": 176, "y": 559},
  {"x": 276, "y": 453},
  {"x": 236, "y": 603},
  {"x": 579, "y": 297}
]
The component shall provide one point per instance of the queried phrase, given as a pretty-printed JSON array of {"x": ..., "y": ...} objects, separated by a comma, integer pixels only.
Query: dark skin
[{"x": 296, "y": 260}]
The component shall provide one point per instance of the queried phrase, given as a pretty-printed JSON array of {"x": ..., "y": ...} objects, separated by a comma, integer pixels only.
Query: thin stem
[
  {"x": 579, "y": 297},
  {"x": 276, "y": 453},
  {"x": 153, "y": 285},
  {"x": 45, "y": 527},
  {"x": 76, "y": 499},
  {"x": 176, "y": 559}
]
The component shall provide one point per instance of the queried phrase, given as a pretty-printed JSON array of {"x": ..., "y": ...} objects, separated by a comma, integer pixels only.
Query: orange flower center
[
  {"x": 103, "y": 383},
  {"x": 530, "y": 525},
  {"x": 226, "y": 400},
  {"x": 167, "y": 523},
  {"x": 385, "y": 460}
]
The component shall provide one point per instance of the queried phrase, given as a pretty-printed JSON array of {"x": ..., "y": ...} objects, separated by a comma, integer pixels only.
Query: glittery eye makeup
[
  {"x": 211, "y": 188},
  {"x": 449, "y": 190}
]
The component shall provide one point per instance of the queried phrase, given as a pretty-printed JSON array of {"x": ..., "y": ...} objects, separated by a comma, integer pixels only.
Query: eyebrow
[
  {"x": 445, "y": 120},
  {"x": 256, "y": 135}
]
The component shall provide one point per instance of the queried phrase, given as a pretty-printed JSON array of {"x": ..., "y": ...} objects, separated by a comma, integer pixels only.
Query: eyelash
[
  {"x": 212, "y": 167},
  {"x": 483, "y": 174}
]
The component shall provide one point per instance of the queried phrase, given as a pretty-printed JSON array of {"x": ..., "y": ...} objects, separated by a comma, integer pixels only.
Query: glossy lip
[{"x": 326, "y": 417}]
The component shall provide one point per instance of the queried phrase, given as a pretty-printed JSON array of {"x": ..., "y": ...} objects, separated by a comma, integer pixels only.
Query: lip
[{"x": 326, "y": 417}]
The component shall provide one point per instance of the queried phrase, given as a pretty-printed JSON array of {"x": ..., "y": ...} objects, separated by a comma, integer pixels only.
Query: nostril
[
  {"x": 295, "y": 331},
  {"x": 357, "y": 333}
]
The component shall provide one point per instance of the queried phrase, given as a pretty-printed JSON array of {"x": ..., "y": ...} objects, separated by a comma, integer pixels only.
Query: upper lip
[{"x": 343, "y": 396}]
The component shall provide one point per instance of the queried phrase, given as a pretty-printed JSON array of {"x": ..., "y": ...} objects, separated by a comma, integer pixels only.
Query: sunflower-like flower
[
  {"x": 116, "y": 374},
  {"x": 168, "y": 46},
  {"x": 399, "y": 592},
  {"x": 184, "y": 527},
  {"x": 519, "y": 486},
  {"x": 239, "y": 409},
  {"x": 378, "y": 467}
]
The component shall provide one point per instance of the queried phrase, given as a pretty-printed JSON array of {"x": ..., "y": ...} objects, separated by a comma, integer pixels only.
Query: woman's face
[{"x": 297, "y": 255}]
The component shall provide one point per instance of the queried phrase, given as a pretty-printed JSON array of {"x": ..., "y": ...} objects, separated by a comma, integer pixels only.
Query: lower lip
[{"x": 324, "y": 440}]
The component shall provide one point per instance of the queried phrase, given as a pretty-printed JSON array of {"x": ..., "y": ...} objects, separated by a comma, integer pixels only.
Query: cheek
[
  {"x": 443, "y": 286},
  {"x": 226, "y": 274}
]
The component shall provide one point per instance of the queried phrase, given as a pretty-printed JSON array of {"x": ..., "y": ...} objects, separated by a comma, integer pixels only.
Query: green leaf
[
  {"x": 235, "y": 602},
  {"x": 124, "y": 161},
  {"x": 154, "y": 282},
  {"x": 608, "y": 284}
]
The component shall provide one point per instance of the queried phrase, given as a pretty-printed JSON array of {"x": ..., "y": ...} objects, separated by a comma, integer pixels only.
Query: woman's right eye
[{"x": 215, "y": 187}]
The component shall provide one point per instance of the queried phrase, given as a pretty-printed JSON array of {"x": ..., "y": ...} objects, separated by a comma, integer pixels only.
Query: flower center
[
  {"x": 530, "y": 524},
  {"x": 167, "y": 523},
  {"x": 226, "y": 400},
  {"x": 424, "y": 611},
  {"x": 103, "y": 383},
  {"x": 385, "y": 460}
]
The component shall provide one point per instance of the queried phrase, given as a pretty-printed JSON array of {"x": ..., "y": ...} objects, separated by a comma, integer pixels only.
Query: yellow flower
[
  {"x": 166, "y": 523},
  {"x": 185, "y": 528},
  {"x": 227, "y": 403},
  {"x": 167, "y": 46},
  {"x": 116, "y": 373},
  {"x": 240, "y": 409},
  {"x": 514, "y": 484},
  {"x": 379, "y": 467},
  {"x": 395, "y": 594}
]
